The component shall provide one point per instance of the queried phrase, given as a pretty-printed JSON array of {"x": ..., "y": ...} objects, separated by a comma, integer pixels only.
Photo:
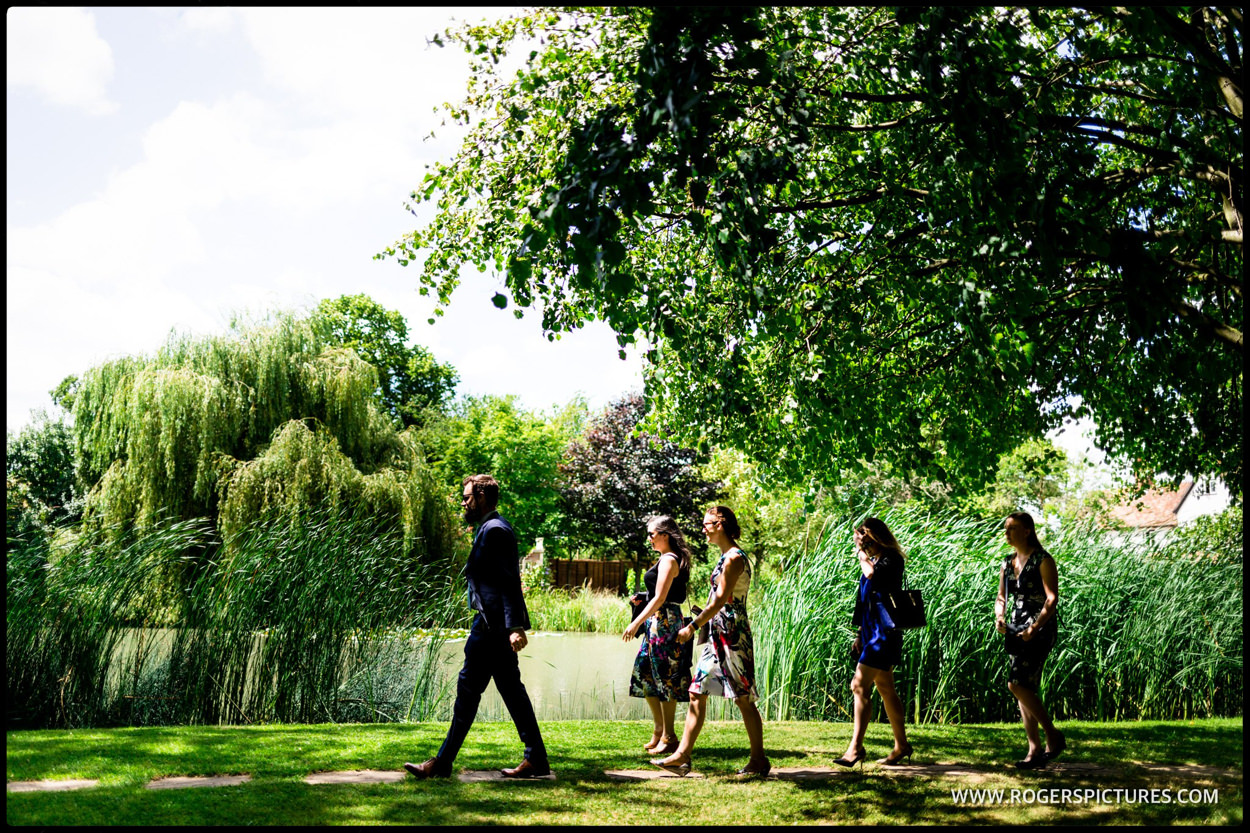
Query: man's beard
[{"x": 472, "y": 516}]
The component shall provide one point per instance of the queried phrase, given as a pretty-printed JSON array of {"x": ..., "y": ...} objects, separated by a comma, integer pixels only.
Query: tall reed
[
  {"x": 1145, "y": 631},
  {"x": 288, "y": 622}
]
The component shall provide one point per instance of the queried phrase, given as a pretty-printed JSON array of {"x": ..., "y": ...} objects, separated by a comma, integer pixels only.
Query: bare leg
[
  {"x": 1033, "y": 713},
  {"x": 669, "y": 708},
  {"x": 861, "y": 689},
  {"x": 694, "y": 725},
  {"x": 755, "y": 729},
  {"x": 657, "y": 715},
  {"x": 884, "y": 680}
]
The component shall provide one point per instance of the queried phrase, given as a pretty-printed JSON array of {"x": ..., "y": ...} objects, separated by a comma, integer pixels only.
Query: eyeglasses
[
  {"x": 707, "y": 524},
  {"x": 651, "y": 533}
]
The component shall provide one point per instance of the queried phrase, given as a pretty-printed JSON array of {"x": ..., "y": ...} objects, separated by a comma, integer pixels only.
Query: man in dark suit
[{"x": 498, "y": 633}]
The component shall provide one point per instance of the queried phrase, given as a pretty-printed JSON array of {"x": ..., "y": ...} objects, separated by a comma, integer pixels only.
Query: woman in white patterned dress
[{"x": 726, "y": 666}]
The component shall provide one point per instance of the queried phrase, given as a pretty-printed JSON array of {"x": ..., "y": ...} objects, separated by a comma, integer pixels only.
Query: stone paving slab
[
  {"x": 51, "y": 785},
  {"x": 181, "y": 782},
  {"x": 656, "y": 774},
  {"x": 356, "y": 776},
  {"x": 473, "y": 776},
  {"x": 803, "y": 773}
]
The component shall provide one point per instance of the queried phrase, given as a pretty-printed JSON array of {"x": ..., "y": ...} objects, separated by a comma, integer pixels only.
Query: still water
[{"x": 569, "y": 676}]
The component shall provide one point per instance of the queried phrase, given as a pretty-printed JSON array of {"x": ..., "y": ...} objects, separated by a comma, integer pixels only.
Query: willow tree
[
  {"x": 914, "y": 236},
  {"x": 264, "y": 422}
]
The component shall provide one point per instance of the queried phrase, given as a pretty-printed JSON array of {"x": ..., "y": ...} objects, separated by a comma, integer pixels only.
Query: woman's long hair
[
  {"x": 676, "y": 541},
  {"x": 1027, "y": 519},
  {"x": 875, "y": 530}
]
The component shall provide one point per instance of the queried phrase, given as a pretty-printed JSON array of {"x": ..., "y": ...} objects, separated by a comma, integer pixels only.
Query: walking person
[
  {"x": 497, "y": 635},
  {"x": 662, "y": 668},
  {"x": 726, "y": 666},
  {"x": 878, "y": 647},
  {"x": 1030, "y": 580}
]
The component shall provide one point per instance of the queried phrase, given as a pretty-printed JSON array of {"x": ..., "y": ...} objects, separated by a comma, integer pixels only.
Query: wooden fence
[{"x": 601, "y": 575}]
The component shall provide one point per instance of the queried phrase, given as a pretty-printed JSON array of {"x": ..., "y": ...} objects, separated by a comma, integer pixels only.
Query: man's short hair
[{"x": 485, "y": 487}]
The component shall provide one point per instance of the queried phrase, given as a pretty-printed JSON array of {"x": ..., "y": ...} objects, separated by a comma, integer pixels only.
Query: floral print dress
[
  {"x": 662, "y": 667},
  {"x": 726, "y": 666},
  {"x": 1026, "y": 596}
]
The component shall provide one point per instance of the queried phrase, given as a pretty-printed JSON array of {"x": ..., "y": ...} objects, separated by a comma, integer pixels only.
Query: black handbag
[
  {"x": 904, "y": 609},
  {"x": 636, "y": 603}
]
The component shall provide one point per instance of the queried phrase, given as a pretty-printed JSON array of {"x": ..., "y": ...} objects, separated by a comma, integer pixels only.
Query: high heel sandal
[
  {"x": 892, "y": 759},
  {"x": 680, "y": 770},
  {"x": 1063, "y": 744},
  {"x": 666, "y": 748},
  {"x": 849, "y": 762},
  {"x": 758, "y": 773},
  {"x": 1035, "y": 762}
]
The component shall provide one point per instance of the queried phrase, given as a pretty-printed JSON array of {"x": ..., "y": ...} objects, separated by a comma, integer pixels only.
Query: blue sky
[{"x": 168, "y": 168}]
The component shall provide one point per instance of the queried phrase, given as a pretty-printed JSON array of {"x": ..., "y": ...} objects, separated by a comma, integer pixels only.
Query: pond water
[{"x": 569, "y": 676}]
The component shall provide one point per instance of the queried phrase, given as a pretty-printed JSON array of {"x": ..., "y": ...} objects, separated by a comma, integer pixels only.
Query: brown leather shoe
[
  {"x": 525, "y": 769},
  {"x": 429, "y": 769}
]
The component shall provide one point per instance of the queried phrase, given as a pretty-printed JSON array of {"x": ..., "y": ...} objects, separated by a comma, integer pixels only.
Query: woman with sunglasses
[
  {"x": 726, "y": 666},
  {"x": 662, "y": 668}
]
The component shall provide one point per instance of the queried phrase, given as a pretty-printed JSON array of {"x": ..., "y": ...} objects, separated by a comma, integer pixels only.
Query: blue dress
[{"x": 882, "y": 647}]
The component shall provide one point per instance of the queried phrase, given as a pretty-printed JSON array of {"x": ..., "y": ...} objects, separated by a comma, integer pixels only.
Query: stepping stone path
[
  {"x": 356, "y": 776},
  {"x": 647, "y": 775},
  {"x": 50, "y": 786},
  {"x": 180, "y": 782},
  {"x": 473, "y": 776}
]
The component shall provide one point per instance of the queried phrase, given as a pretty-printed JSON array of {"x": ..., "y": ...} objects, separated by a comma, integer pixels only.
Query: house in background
[{"x": 1158, "y": 512}]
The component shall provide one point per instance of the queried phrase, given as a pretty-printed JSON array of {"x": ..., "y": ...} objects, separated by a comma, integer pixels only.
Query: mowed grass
[{"x": 1113, "y": 755}]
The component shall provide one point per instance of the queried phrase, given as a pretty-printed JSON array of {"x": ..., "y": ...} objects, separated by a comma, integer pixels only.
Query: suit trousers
[{"x": 488, "y": 654}]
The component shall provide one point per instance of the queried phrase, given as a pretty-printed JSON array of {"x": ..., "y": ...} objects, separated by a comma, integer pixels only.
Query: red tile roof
[{"x": 1156, "y": 508}]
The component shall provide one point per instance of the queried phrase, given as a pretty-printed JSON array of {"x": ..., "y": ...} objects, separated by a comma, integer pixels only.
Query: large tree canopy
[{"x": 916, "y": 236}]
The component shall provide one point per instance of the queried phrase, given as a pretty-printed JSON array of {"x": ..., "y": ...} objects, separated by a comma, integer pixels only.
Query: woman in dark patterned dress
[
  {"x": 662, "y": 667},
  {"x": 1031, "y": 581},
  {"x": 726, "y": 665},
  {"x": 878, "y": 645}
]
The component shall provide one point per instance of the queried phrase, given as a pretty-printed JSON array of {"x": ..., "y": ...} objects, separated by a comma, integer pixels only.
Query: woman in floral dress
[
  {"x": 1029, "y": 582},
  {"x": 726, "y": 666},
  {"x": 662, "y": 668}
]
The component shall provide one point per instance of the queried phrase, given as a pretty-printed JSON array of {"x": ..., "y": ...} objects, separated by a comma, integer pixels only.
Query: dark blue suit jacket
[{"x": 494, "y": 574}]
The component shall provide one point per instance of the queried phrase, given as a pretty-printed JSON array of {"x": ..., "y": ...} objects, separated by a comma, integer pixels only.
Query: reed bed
[
  {"x": 307, "y": 622},
  {"x": 580, "y": 609},
  {"x": 1146, "y": 631}
]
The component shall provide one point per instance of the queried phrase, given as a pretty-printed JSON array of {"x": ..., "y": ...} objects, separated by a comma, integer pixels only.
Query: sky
[{"x": 170, "y": 168}]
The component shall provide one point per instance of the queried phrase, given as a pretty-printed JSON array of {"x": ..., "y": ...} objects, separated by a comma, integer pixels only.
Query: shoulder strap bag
[{"x": 904, "y": 609}]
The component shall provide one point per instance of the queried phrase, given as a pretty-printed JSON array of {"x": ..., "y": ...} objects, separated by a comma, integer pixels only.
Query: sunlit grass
[{"x": 278, "y": 757}]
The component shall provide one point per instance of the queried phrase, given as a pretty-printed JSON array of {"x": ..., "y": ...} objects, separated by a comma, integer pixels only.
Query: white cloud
[
  {"x": 272, "y": 197},
  {"x": 211, "y": 19},
  {"x": 58, "y": 53}
]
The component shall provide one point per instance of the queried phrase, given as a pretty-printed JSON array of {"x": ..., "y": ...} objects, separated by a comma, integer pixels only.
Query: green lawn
[{"x": 1112, "y": 755}]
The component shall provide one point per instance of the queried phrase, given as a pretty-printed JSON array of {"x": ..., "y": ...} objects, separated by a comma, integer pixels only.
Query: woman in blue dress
[{"x": 878, "y": 648}]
